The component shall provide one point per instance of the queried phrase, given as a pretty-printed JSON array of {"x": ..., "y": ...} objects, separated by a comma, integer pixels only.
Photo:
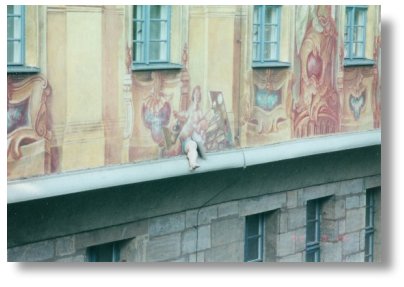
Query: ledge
[
  {"x": 358, "y": 62},
  {"x": 104, "y": 177},
  {"x": 157, "y": 66},
  {"x": 271, "y": 64},
  {"x": 22, "y": 70}
]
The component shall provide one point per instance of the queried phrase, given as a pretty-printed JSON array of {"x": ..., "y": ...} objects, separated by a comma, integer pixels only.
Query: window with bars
[
  {"x": 15, "y": 34},
  {"x": 313, "y": 230},
  {"x": 151, "y": 30},
  {"x": 254, "y": 236},
  {"x": 370, "y": 225},
  {"x": 266, "y": 33}
]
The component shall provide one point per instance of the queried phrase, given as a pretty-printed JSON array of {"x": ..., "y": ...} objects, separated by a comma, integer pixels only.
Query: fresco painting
[
  {"x": 28, "y": 127},
  {"x": 269, "y": 119},
  {"x": 148, "y": 115},
  {"x": 317, "y": 108}
]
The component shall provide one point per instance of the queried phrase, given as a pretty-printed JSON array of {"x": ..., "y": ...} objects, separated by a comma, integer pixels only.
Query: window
[
  {"x": 370, "y": 225},
  {"x": 355, "y": 36},
  {"x": 108, "y": 252},
  {"x": 254, "y": 233},
  {"x": 15, "y": 34},
  {"x": 151, "y": 37},
  {"x": 313, "y": 230},
  {"x": 266, "y": 33}
]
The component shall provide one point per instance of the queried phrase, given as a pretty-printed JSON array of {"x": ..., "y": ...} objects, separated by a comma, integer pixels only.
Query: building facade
[{"x": 283, "y": 103}]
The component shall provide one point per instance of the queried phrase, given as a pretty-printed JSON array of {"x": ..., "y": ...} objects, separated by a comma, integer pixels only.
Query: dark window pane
[
  {"x": 311, "y": 256},
  {"x": 311, "y": 210},
  {"x": 252, "y": 249},
  {"x": 252, "y": 224},
  {"x": 311, "y": 231},
  {"x": 102, "y": 253},
  {"x": 270, "y": 15}
]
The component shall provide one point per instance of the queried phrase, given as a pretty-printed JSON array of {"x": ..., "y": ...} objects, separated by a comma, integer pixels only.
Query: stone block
[
  {"x": 319, "y": 191},
  {"x": 339, "y": 208},
  {"x": 300, "y": 239},
  {"x": 283, "y": 221},
  {"x": 232, "y": 252},
  {"x": 167, "y": 224},
  {"x": 351, "y": 186},
  {"x": 204, "y": 241},
  {"x": 291, "y": 199},
  {"x": 298, "y": 257},
  {"x": 355, "y": 220},
  {"x": 190, "y": 218},
  {"x": 373, "y": 181},
  {"x": 70, "y": 259},
  {"x": 110, "y": 234},
  {"x": 286, "y": 243},
  {"x": 64, "y": 246},
  {"x": 341, "y": 227},
  {"x": 197, "y": 257},
  {"x": 39, "y": 251},
  {"x": 350, "y": 243},
  {"x": 357, "y": 257},
  {"x": 262, "y": 204},
  {"x": 164, "y": 248},
  {"x": 352, "y": 202},
  {"x": 225, "y": 231},
  {"x": 331, "y": 251},
  {"x": 188, "y": 241},
  {"x": 206, "y": 215},
  {"x": 296, "y": 218},
  {"x": 228, "y": 209}
]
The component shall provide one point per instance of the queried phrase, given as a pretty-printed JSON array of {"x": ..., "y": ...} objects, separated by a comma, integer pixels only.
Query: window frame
[
  {"x": 314, "y": 246},
  {"x": 91, "y": 252},
  {"x": 370, "y": 225},
  {"x": 260, "y": 237},
  {"x": 22, "y": 36},
  {"x": 350, "y": 60},
  {"x": 145, "y": 63},
  {"x": 260, "y": 61}
]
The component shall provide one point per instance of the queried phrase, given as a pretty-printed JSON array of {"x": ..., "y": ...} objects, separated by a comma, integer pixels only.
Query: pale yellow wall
[{"x": 31, "y": 40}]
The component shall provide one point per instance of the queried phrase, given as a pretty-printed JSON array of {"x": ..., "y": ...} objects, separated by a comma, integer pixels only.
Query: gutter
[{"x": 104, "y": 177}]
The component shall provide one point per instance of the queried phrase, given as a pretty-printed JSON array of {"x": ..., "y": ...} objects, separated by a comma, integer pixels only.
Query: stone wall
[{"x": 216, "y": 233}]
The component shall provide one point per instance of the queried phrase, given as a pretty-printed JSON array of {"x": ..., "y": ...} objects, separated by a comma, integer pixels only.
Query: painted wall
[{"x": 97, "y": 112}]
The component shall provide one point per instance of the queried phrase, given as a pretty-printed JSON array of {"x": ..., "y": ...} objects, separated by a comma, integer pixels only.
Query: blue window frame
[
  {"x": 266, "y": 33},
  {"x": 370, "y": 225},
  {"x": 355, "y": 36},
  {"x": 313, "y": 230},
  {"x": 151, "y": 30},
  {"x": 15, "y": 35},
  {"x": 254, "y": 234}
]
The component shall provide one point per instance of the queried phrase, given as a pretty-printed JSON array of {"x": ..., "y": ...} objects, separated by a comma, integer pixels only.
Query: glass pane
[
  {"x": 347, "y": 35},
  {"x": 138, "y": 30},
  {"x": 252, "y": 249},
  {"x": 347, "y": 18},
  {"x": 359, "y": 34},
  {"x": 256, "y": 16},
  {"x": 138, "y": 52},
  {"x": 256, "y": 51},
  {"x": 367, "y": 217},
  {"x": 346, "y": 50},
  {"x": 14, "y": 52},
  {"x": 358, "y": 50},
  {"x": 14, "y": 9},
  {"x": 359, "y": 17},
  {"x": 311, "y": 256},
  {"x": 14, "y": 27},
  {"x": 256, "y": 31},
  {"x": 311, "y": 231},
  {"x": 311, "y": 210},
  {"x": 271, "y": 33},
  {"x": 252, "y": 225},
  {"x": 270, "y": 15},
  {"x": 158, "y": 30},
  {"x": 158, "y": 12},
  {"x": 138, "y": 12},
  {"x": 158, "y": 51},
  {"x": 270, "y": 51}
]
